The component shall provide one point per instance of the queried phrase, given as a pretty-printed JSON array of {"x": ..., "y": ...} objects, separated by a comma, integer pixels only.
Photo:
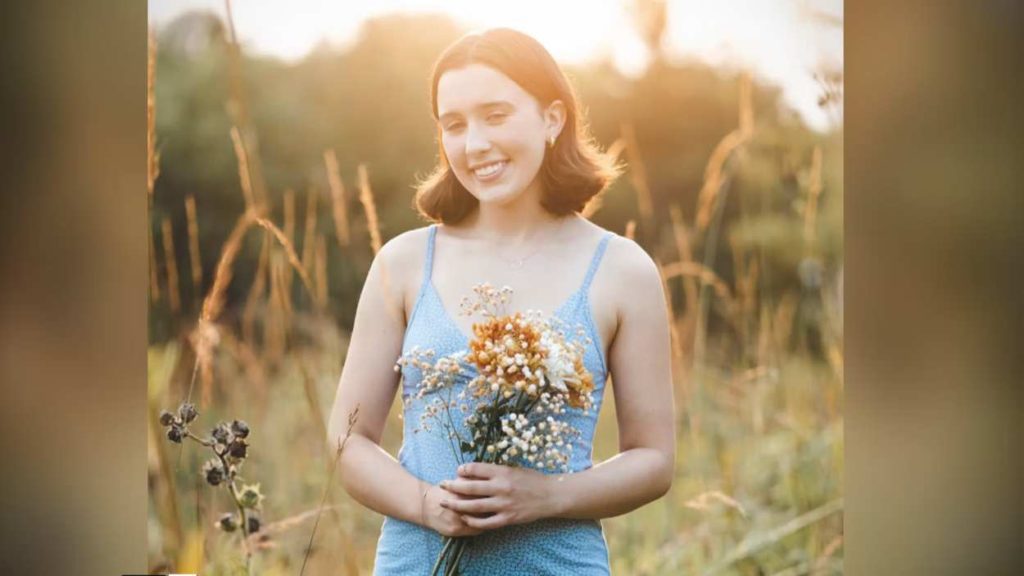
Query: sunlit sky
[{"x": 782, "y": 41}]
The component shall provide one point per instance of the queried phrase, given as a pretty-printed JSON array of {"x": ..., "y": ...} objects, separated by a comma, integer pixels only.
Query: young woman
[{"x": 516, "y": 168}]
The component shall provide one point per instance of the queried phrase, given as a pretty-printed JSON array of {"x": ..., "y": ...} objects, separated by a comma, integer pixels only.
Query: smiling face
[{"x": 493, "y": 132}]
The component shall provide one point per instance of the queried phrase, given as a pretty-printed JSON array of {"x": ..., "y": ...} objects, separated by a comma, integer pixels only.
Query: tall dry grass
[
  {"x": 244, "y": 175},
  {"x": 366, "y": 199},
  {"x": 254, "y": 298},
  {"x": 244, "y": 136},
  {"x": 309, "y": 233},
  {"x": 638, "y": 175},
  {"x": 293, "y": 258},
  {"x": 630, "y": 231},
  {"x": 277, "y": 322},
  {"x": 339, "y": 202},
  {"x": 320, "y": 270},
  {"x": 154, "y": 280},
  {"x": 714, "y": 171},
  {"x": 171, "y": 265},
  {"x": 289, "y": 225},
  {"x": 814, "y": 187},
  {"x": 193, "y": 245}
]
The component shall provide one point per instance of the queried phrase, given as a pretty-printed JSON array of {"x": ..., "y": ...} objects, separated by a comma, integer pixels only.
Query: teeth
[{"x": 489, "y": 169}]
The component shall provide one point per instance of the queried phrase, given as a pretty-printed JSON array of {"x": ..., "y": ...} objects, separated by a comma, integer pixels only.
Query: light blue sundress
[{"x": 552, "y": 546}]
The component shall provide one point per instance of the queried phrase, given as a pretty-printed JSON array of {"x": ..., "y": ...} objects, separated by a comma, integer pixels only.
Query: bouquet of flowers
[{"x": 527, "y": 376}]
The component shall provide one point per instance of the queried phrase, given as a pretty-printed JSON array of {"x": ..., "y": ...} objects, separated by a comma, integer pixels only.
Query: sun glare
[
  {"x": 574, "y": 31},
  {"x": 774, "y": 38}
]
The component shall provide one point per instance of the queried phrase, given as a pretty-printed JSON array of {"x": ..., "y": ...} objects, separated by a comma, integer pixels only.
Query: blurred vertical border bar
[
  {"x": 73, "y": 288},
  {"x": 933, "y": 235}
]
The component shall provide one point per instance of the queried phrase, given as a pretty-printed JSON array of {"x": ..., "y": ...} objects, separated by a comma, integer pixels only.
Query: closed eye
[{"x": 495, "y": 117}]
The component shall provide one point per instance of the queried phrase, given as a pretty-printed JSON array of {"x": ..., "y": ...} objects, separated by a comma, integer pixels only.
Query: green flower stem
[
  {"x": 453, "y": 565},
  {"x": 245, "y": 526},
  {"x": 440, "y": 557},
  {"x": 448, "y": 412},
  {"x": 204, "y": 442}
]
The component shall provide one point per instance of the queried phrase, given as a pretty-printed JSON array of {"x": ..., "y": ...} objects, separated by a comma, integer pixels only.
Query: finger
[
  {"x": 467, "y": 531},
  {"x": 468, "y": 487},
  {"x": 480, "y": 506},
  {"x": 478, "y": 470},
  {"x": 489, "y": 523}
]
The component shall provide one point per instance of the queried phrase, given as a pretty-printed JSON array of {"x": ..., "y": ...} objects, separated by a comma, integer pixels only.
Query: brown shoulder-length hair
[{"x": 572, "y": 172}]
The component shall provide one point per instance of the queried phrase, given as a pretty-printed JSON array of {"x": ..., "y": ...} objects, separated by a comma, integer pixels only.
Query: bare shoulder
[
  {"x": 631, "y": 275},
  {"x": 401, "y": 258},
  {"x": 629, "y": 258},
  {"x": 406, "y": 248},
  {"x": 626, "y": 278}
]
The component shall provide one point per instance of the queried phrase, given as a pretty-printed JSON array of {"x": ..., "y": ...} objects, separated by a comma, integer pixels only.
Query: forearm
[
  {"x": 616, "y": 486},
  {"x": 376, "y": 480}
]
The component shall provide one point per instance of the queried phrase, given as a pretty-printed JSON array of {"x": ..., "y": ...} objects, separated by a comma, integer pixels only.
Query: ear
[{"x": 554, "y": 119}]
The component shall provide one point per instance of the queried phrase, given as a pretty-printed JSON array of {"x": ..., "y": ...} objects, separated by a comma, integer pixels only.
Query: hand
[
  {"x": 444, "y": 521},
  {"x": 492, "y": 496}
]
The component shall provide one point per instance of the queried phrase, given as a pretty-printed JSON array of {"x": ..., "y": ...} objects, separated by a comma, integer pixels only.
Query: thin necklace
[{"x": 518, "y": 263}]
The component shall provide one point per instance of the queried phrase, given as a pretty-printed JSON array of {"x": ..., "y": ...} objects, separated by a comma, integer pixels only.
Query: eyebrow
[{"x": 482, "y": 106}]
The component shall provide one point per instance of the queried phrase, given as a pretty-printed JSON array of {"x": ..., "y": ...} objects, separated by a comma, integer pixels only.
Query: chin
[
  {"x": 499, "y": 197},
  {"x": 500, "y": 194}
]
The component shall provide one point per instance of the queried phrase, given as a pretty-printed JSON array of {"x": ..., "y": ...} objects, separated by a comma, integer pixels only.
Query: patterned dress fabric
[{"x": 551, "y": 546}]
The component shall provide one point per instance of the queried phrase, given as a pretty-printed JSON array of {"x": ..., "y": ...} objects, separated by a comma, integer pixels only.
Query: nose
[{"x": 476, "y": 140}]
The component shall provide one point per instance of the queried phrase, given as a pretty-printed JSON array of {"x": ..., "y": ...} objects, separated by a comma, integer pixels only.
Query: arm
[
  {"x": 643, "y": 470},
  {"x": 368, "y": 380},
  {"x": 640, "y": 361}
]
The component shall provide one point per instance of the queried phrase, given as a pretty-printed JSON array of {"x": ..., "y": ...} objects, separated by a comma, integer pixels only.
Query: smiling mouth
[{"x": 490, "y": 171}]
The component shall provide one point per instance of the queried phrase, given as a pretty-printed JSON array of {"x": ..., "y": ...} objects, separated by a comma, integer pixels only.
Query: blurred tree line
[{"x": 369, "y": 102}]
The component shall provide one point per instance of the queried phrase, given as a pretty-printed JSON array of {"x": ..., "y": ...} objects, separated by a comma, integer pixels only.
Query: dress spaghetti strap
[
  {"x": 428, "y": 261},
  {"x": 594, "y": 263},
  {"x": 428, "y": 265}
]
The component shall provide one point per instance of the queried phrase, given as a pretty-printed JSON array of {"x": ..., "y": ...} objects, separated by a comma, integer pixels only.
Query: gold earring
[{"x": 551, "y": 142}]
